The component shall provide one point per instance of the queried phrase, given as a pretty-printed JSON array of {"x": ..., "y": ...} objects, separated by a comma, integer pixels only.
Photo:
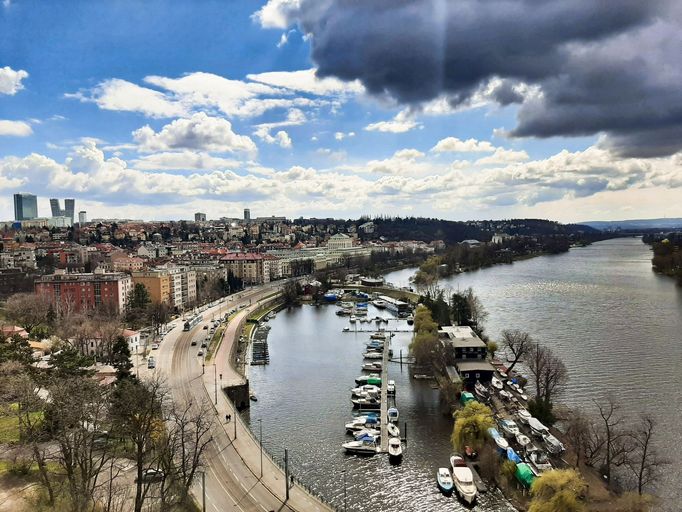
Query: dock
[
  {"x": 478, "y": 482},
  {"x": 384, "y": 397}
]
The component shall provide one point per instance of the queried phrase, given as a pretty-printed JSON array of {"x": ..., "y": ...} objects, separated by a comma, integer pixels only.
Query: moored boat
[
  {"x": 372, "y": 355},
  {"x": 366, "y": 388},
  {"x": 378, "y": 303},
  {"x": 363, "y": 447},
  {"x": 497, "y": 383},
  {"x": 393, "y": 430},
  {"x": 390, "y": 389},
  {"x": 522, "y": 440},
  {"x": 372, "y": 367},
  {"x": 444, "y": 480},
  {"x": 373, "y": 432},
  {"x": 393, "y": 414},
  {"x": 463, "y": 479},
  {"x": 481, "y": 390},
  {"x": 395, "y": 449},
  {"x": 352, "y": 319},
  {"x": 368, "y": 403}
]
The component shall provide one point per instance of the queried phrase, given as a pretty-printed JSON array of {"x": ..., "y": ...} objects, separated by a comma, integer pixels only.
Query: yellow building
[{"x": 158, "y": 284}]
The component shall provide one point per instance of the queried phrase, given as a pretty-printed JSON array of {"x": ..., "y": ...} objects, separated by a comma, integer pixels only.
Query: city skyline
[{"x": 256, "y": 109}]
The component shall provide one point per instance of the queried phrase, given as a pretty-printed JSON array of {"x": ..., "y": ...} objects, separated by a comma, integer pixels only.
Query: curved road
[{"x": 232, "y": 466}]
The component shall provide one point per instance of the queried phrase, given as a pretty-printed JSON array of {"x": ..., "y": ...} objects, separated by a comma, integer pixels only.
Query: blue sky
[{"x": 160, "y": 109}]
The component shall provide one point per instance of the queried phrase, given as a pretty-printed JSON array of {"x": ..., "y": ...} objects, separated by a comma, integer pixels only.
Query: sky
[{"x": 475, "y": 109}]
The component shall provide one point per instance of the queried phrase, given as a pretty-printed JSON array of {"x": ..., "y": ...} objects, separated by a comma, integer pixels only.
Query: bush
[{"x": 508, "y": 470}]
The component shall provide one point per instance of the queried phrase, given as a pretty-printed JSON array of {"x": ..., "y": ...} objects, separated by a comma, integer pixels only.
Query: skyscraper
[
  {"x": 25, "y": 206},
  {"x": 247, "y": 214},
  {"x": 69, "y": 208},
  {"x": 56, "y": 209},
  {"x": 82, "y": 217},
  {"x": 199, "y": 217}
]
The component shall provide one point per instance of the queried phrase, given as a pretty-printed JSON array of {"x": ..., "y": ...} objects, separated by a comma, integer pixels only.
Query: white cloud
[
  {"x": 294, "y": 117},
  {"x": 200, "y": 132},
  {"x": 116, "y": 94},
  {"x": 402, "y": 122},
  {"x": 342, "y": 135},
  {"x": 455, "y": 145},
  {"x": 276, "y": 13},
  {"x": 306, "y": 80},
  {"x": 503, "y": 156},
  {"x": 15, "y": 128},
  {"x": 10, "y": 80},
  {"x": 183, "y": 160}
]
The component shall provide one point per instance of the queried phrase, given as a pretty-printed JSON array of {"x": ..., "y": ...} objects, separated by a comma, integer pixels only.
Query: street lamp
[{"x": 260, "y": 426}]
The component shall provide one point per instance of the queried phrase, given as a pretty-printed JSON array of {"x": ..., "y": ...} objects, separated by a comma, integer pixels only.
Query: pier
[{"x": 384, "y": 396}]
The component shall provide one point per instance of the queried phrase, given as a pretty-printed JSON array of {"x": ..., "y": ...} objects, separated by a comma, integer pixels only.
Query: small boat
[
  {"x": 363, "y": 422},
  {"x": 373, "y": 355},
  {"x": 505, "y": 395},
  {"x": 372, "y": 367},
  {"x": 346, "y": 329},
  {"x": 393, "y": 414},
  {"x": 330, "y": 297},
  {"x": 481, "y": 390},
  {"x": 393, "y": 430},
  {"x": 553, "y": 444},
  {"x": 509, "y": 427},
  {"x": 463, "y": 479},
  {"x": 410, "y": 320},
  {"x": 444, "y": 479},
  {"x": 373, "y": 432},
  {"x": 364, "y": 447},
  {"x": 253, "y": 397},
  {"x": 497, "y": 383},
  {"x": 522, "y": 440},
  {"x": 368, "y": 403},
  {"x": 523, "y": 415},
  {"x": 470, "y": 453},
  {"x": 378, "y": 303},
  {"x": 395, "y": 449},
  {"x": 366, "y": 388},
  {"x": 378, "y": 336},
  {"x": 346, "y": 305},
  {"x": 538, "y": 461},
  {"x": 421, "y": 376},
  {"x": 390, "y": 388},
  {"x": 500, "y": 441},
  {"x": 352, "y": 319},
  {"x": 365, "y": 379},
  {"x": 537, "y": 428}
]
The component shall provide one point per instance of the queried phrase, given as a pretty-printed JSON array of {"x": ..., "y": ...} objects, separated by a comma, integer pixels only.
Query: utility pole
[{"x": 203, "y": 491}]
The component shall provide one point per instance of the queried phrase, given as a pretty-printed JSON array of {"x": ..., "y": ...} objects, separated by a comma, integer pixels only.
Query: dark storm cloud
[{"x": 601, "y": 66}]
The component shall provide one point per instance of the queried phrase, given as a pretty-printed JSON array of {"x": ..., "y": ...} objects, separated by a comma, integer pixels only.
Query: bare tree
[
  {"x": 27, "y": 309},
  {"x": 519, "y": 343},
  {"x": 548, "y": 371},
  {"x": 478, "y": 311},
  {"x": 644, "y": 461},
  {"x": 615, "y": 449},
  {"x": 578, "y": 434}
]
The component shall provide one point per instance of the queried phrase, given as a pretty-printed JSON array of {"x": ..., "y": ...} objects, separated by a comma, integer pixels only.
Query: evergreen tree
[{"x": 120, "y": 358}]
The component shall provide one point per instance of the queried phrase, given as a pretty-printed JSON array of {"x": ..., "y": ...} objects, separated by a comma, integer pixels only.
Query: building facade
[
  {"x": 86, "y": 291},
  {"x": 25, "y": 207},
  {"x": 157, "y": 283}
]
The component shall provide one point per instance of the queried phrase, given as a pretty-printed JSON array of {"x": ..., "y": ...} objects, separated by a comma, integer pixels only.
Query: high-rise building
[
  {"x": 199, "y": 217},
  {"x": 25, "y": 206},
  {"x": 69, "y": 208},
  {"x": 247, "y": 214},
  {"x": 82, "y": 217},
  {"x": 56, "y": 209}
]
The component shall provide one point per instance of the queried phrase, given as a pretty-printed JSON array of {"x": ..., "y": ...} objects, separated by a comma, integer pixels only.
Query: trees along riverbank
[
  {"x": 609, "y": 463},
  {"x": 667, "y": 251}
]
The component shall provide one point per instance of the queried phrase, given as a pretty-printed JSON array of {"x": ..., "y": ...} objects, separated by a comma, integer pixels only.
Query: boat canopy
[
  {"x": 524, "y": 474},
  {"x": 513, "y": 456},
  {"x": 466, "y": 397},
  {"x": 492, "y": 432}
]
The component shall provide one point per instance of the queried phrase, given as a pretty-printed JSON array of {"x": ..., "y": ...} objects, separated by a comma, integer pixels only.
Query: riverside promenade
[{"x": 263, "y": 469}]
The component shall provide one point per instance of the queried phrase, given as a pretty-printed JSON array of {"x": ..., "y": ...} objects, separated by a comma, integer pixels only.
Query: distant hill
[
  {"x": 635, "y": 224},
  {"x": 420, "y": 228}
]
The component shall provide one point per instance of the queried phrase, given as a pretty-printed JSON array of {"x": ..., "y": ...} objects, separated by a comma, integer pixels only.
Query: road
[{"x": 232, "y": 466}]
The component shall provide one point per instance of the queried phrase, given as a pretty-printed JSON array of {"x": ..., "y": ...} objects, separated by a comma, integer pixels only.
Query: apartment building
[
  {"x": 251, "y": 268},
  {"x": 86, "y": 291},
  {"x": 158, "y": 284}
]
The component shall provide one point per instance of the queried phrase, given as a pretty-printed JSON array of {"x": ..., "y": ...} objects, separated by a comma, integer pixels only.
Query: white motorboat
[
  {"x": 372, "y": 367},
  {"x": 362, "y": 447},
  {"x": 499, "y": 440},
  {"x": 497, "y": 383},
  {"x": 444, "y": 479},
  {"x": 390, "y": 389},
  {"x": 346, "y": 329},
  {"x": 463, "y": 478},
  {"x": 393, "y": 414},
  {"x": 378, "y": 303},
  {"x": 553, "y": 444},
  {"x": 378, "y": 336},
  {"x": 369, "y": 403},
  {"x": 363, "y": 422},
  {"x": 372, "y": 355},
  {"x": 352, "y": 319},
  {"x": 393, "y": 430},
  {"x": 481, "y": 390},
  {"x": 395, "y": 449},
  {"x": 366, "y": 388},
  {"x": 509, "y": 427},
  {"x": 523, "y": 415},
  {"x": 522, "y": 439},
  {"x": 537, "y": 428}
]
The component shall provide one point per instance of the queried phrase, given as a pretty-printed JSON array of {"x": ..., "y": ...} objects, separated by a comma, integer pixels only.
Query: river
[{"x": 615, "y": 323}]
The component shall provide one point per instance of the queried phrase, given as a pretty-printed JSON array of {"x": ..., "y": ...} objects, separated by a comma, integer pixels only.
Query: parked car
[
  {"x": 151, "y": 363},
  {"x": 205, "y": 327},
  {"x": 200, "y": 353},
  {"x": 204, "y": 345},
  {"x": 155, "y": 346},
  {"x": 194, "y": 342}
]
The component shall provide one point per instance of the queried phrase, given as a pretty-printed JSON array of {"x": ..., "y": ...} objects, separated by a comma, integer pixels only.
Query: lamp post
[
  {"x": 215, "y": 381},
  {"x": 260, "y": 427}
]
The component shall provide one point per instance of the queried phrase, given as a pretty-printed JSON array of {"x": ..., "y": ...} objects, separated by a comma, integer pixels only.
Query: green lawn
[{"x": 9, "y": 427}]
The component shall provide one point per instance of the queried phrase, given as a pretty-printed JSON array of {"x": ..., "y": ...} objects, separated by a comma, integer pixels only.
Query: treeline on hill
[
  {"x": 427, "y": 229},
  {"x": 667, "y": 250}
]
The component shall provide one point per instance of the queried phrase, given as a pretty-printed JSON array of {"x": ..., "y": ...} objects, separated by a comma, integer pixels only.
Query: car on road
[
  {"x": 153, "y": 475},
  {"x": 205, "y": 327},
  {"x": 194, "y": 343},
  {"x": 200, "y": 353},
  {"x": 204, "y": 345},
  {"x": 155, "y": 346},
  {"x": 151, "y": 363}
]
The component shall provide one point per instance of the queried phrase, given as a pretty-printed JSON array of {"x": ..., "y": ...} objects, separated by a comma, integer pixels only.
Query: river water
[{"x": 616, "y": 325}]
